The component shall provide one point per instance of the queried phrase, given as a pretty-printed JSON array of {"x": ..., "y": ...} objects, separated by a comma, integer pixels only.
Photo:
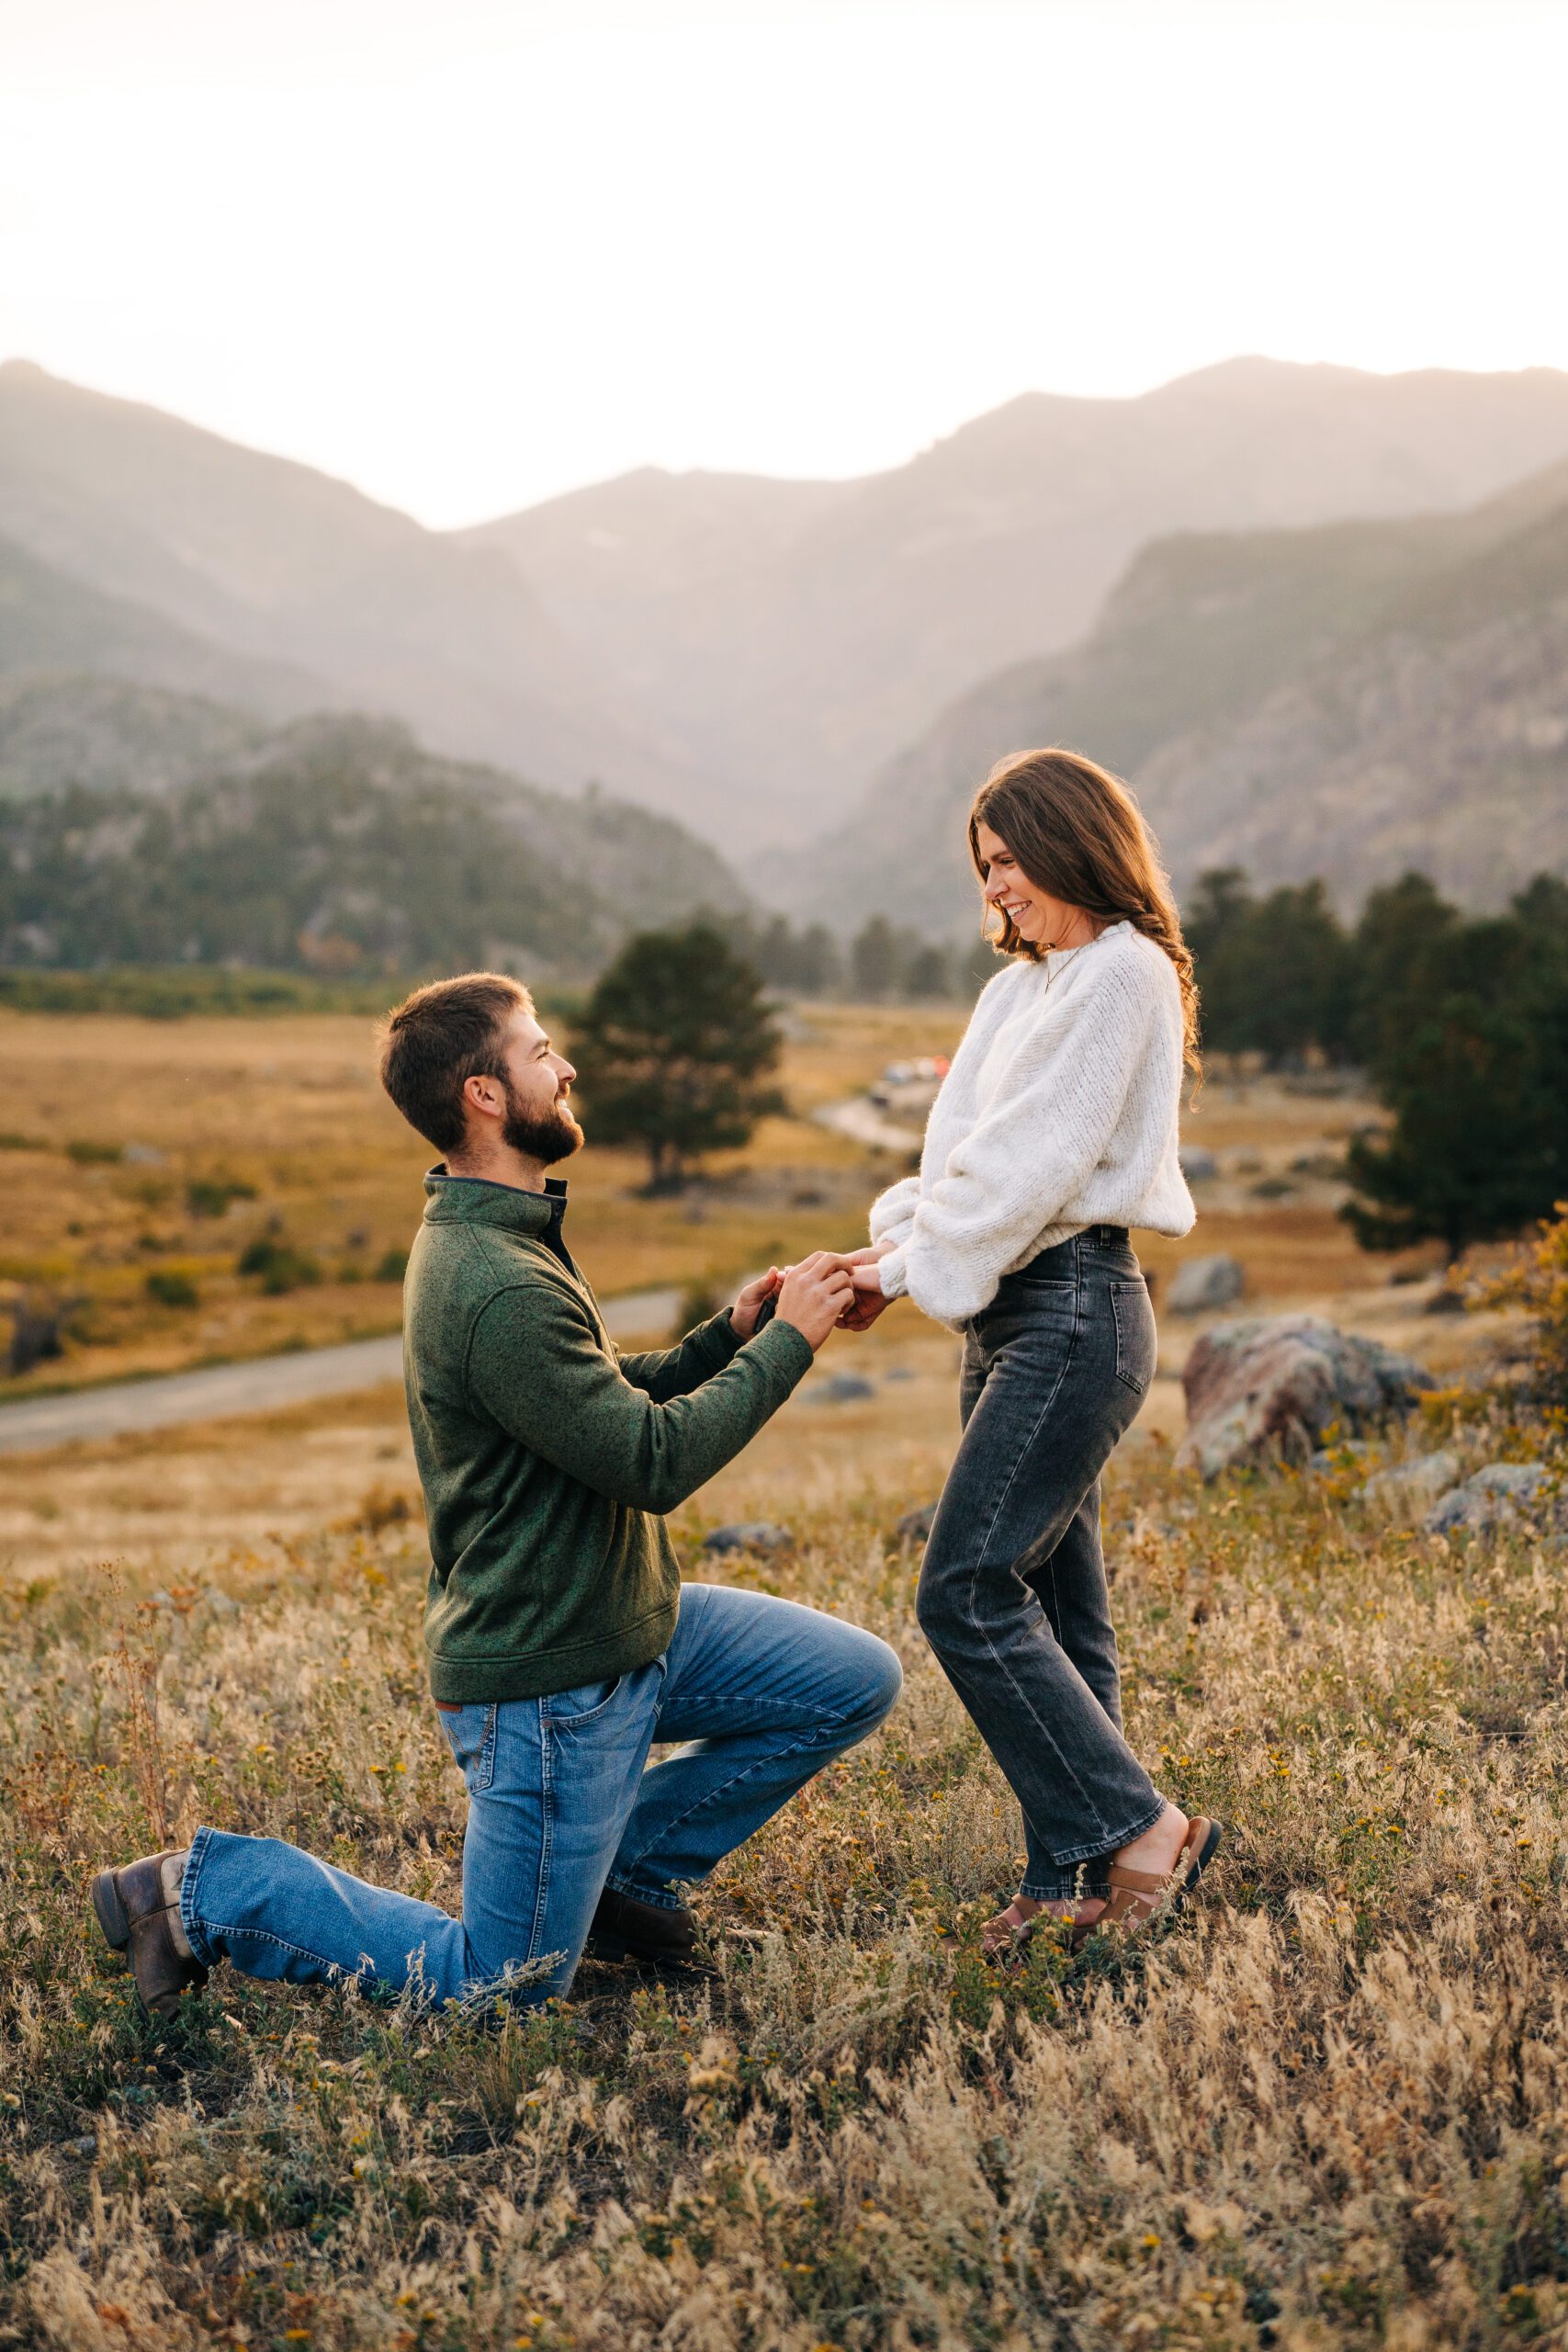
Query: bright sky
[{"x": 470, "y": 253}]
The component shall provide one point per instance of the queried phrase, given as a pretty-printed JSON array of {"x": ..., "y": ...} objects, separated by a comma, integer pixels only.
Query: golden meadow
[{"x": 1329, "y": 2108}]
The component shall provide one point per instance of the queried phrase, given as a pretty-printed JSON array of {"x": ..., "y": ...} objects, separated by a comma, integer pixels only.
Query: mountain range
[
  {"x": 790, "y": 637},
  {"x": 1312, "y": 611},
  {"x": 1345, "y": 702},
  {"x": 741, "y": 653},
  {"x": 273, "y": 561}
]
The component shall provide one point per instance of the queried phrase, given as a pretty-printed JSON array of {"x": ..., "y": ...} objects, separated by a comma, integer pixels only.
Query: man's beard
[{"x": 546, "y": 1136}]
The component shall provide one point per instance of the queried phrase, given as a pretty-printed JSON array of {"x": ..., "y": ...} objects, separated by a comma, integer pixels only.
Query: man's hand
[
  {"x": 870, "y": 1298},
  {"x": 743, "y": 1314},
  {"x": 814, "y": 1295}
]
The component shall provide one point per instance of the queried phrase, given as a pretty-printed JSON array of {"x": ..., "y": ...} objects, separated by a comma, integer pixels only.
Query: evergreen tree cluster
[
  {"x": 1461, "y": 1023},
  {"x": 883, "y": 962}
]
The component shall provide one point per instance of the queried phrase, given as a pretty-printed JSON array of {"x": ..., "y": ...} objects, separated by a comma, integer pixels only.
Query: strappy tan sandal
[
  {"x": 1003, "y": 1937},
  {"x": 1003, "y": 1940},
  {"x": 1138, "y": 1896}
]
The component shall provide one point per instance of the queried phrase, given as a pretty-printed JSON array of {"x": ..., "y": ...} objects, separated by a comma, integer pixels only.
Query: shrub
[
  {"x": 210, "y": 1195},
  {"x": 380, "y": 1506},
  {"x": 280, "y": 1266},
  {"x": 699, "y": 1304},
  {"x": 1538, "y": 1281},
  {"x": 88, "y": 1153},
  {"x": 170, "y": 1288},
  {"x": 391, "y": 1266},
  {"x": 38, "y": 1332}
]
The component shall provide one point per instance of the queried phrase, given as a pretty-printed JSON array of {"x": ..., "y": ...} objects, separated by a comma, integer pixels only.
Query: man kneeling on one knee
[{"x": 561, "y": 1641}]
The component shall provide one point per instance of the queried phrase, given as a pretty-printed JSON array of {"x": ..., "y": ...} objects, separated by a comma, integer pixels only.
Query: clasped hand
[{"x": 830, "y": 1290}]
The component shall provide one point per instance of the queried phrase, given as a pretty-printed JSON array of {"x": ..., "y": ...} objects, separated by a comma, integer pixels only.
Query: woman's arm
[{"x": 892, "y": 1212}]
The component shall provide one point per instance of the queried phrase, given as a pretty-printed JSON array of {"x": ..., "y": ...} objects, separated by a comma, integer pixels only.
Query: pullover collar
[{"x": 473, "y": 1200}]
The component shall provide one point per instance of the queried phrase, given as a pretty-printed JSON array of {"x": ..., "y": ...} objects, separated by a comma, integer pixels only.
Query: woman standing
[{"x": 1055, "y": 1129}]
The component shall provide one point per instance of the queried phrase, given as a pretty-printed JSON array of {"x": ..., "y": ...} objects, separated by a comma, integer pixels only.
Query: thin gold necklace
[{"x": 1066, "y": 954}]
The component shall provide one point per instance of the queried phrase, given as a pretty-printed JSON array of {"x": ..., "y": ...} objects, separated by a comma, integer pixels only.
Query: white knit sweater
[{"x": 1059, "y": 1112}]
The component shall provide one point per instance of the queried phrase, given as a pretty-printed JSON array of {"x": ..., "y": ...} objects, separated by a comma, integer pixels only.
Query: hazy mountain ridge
[
  {"x": 50, "y": 621},
  {"x": 798, "y": 655},
  {"x": 336, "y": 841},
  {"x": 740, "y": 652},
  {"x": 1347, "y": 701},
  {"x": 273, "y": 560},
  {"x": 110, "y": 735}
]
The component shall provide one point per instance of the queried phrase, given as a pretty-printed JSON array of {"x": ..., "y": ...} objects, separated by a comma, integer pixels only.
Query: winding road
[
  {"x": 263, "y": 1384},
  {"x": 268, "y": 1384}
]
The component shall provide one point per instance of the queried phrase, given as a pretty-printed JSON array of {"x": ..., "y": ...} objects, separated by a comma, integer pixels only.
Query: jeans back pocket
[{"x": 1136, "y": 1340}]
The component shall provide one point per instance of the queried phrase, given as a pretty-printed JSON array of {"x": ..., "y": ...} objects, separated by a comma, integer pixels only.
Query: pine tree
[
  {"x": 875, "y": 960},
  {"x": 1474, "y": 1078},
  {"x": 672, "y": 1049}
]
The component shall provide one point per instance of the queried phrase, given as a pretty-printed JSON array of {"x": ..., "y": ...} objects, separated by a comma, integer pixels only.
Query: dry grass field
[
  {"x": 141, "y": 1158},
  {"x": 1330, "y": 2109}
]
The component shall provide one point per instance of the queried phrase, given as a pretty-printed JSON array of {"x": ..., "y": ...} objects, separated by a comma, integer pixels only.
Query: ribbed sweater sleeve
[
  {"x": 892, "y": 1212},
  {"x": 1033, "y": 1148}
]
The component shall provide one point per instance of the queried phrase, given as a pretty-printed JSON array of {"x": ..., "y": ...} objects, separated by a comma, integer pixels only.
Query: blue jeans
[
  {"x": 1012, "y": 1595},
  {"x": 562, "y": 1801}
]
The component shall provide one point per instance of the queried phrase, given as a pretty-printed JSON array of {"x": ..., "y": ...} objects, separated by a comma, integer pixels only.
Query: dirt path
[
  {"x": 862, "y": 1121},
  {"x": 262, "y": 1386}
]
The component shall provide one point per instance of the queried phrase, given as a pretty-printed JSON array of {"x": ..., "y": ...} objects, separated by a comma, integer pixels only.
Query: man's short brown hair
[{"x": 438, "y": 1038}]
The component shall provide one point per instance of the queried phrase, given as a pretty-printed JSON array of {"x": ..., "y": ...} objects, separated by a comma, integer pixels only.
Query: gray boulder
[
  {"x": 1198, "y": 1163},
  {"x": 1496, "y": 1494},
  {"x": 1520, "y": 1481},
  {"x": 915, "y": 1527},
  {"x": 1459, "y": 1507},
  {"x": 1201, "y": 1284},
  {"x": 1268, "y": 1390},
  {"x": 748, "y": 1535},
  {"x": 1411, "y": 1485},
  {"x": 839, "y": 1388}
]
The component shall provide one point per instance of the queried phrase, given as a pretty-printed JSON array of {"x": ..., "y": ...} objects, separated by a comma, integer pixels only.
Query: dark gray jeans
[{"x": 1012, "y": 1595}]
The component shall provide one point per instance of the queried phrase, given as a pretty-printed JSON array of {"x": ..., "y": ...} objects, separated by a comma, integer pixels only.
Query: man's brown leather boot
[
  {"x": 649, "y": 1936},
  {"x": 138, "y": 1909}
]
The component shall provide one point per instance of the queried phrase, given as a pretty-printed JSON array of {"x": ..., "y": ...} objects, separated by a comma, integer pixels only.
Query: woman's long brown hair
[{"x": 1077, "y": 831}]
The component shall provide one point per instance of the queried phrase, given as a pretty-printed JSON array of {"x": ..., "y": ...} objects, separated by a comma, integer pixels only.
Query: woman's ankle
[{"x": 1158, "y": 1847}]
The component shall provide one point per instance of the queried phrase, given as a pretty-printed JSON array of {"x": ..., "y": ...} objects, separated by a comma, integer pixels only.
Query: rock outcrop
[
  {"x": 1268, "y": 1390},
  {"x": 748, "y": 1535},
  {"x": 1202, "y": 1285},
  {"x": 1412, "y": 1485},
  {"x": 1500, "y": 1493}
]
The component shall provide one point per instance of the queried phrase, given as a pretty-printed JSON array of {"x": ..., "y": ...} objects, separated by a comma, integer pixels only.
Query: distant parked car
[{"x": 909, "y": 1086}]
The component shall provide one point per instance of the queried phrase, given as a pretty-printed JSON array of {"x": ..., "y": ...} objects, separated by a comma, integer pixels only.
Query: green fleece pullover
[{"x": 547, "y": 1456}]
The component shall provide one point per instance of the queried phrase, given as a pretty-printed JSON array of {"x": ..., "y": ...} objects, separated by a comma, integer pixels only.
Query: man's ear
[{"x": 483, "y": 1094}]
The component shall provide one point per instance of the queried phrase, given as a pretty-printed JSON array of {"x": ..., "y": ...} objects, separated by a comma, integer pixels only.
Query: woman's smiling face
[{"x": 1039, "y": 920}]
